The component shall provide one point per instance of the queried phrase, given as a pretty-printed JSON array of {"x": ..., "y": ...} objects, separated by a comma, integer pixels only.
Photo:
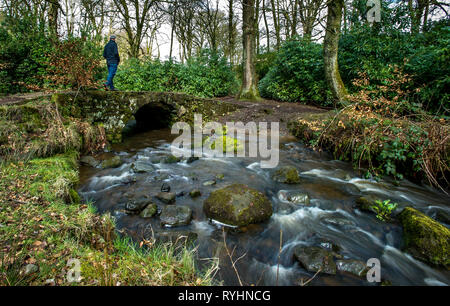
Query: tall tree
[
  {"x": 136, "y": 21},
  {"x": 309, "y": 15},
  {"x": 331, "y": 47},
  {"x": 249, "y": 89}
]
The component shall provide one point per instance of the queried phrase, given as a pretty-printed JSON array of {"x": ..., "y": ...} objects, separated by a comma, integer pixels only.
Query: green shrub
[
  {"x": 23, "y": 61},
  {"x": 384, "y": 209},
  {"x": 208, "y": 75},
  {"x": 297, "y": 75}
]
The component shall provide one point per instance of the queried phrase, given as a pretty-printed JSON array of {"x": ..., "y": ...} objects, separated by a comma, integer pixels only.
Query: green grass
[{"x": 41, "y": 224}]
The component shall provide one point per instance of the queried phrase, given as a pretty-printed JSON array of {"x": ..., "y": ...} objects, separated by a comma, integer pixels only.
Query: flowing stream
[{"x": 332, "y": 186}]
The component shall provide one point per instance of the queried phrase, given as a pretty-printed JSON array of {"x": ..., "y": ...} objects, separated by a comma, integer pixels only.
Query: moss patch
[{"x": 425, "y": 238}]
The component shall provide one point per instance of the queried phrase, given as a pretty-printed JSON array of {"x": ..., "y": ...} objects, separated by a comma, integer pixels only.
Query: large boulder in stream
[
  {"x": 173, "y": 216},
  {"x": 425, "y": 238},
  {"x": 286, "y": 175},
  {"x": 238, "y": 205},
  {"x": 315, "y": 259}
]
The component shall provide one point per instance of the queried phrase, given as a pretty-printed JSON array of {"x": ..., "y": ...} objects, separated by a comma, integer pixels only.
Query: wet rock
[
  {"x": 220, "y": 176},
  {"x": 195, "y": 193},
  {"x": 31, "y": 269},
  {"x": 166, "y": 197},
  {"x": 314, "y": 259},
  {"x": 287, "y": 175},
  {"x": 366, "y": 203},
  {"x": 89, "y": 161},
  {"x": 352, "y": 266},
  {"x": 165, "y": 187},
  {"x": 149, "y": 211},
  {"x": 238, "y": 205},
  {"x": 299, "y": 199},
  {"x": 114, "y": 162},
  {"x": 135, "y": 206},
  {"x": 142, "y": 167},
  {"x": 181, "y": 194},
  {"x": 330, "y": 246},
  {"x": 171, "y": 159},
  {"x": 425, "y": 238},
  {"x": 209, "y": 183},
  {"x": 172, "y": 215},
  {"x": 190, "y": 160}
]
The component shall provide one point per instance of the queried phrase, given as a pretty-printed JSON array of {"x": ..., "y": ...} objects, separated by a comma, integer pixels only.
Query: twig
[
  {"x": 311, "y": 279},
  {"x": 230, "y": 255}
]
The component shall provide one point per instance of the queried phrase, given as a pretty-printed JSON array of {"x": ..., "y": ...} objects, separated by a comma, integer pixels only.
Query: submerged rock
[
  {"x": 209, "y": 183},
  {"x": 285, "y": 208},
  {"x": 114, "y": 162},
  {"x": 171, "y": 159},
  {"x": 172, "y": 215},
  {"x": 90, "y": 161},
  {"x": 238, "y": 205},
  {"x": 366, "y": 203},
  {"x": 352, "y": 266},
  {"x": 142, "y": 167},
  {"x": 166, "y": 197},
  {"x": 287, "y": 175},
  {"x": 315, "y": 259},
  {"x": 149, "y": 211},
  {"x": 425, "y": 238},
  {"x": 195, "y": 193}
]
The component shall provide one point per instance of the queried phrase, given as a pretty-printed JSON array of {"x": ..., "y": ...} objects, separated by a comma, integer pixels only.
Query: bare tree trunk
[
  {"x": 331, "y": 46},
  {"x": 249, "y": 89},
  {"x": 276, "y": 22},
  {"x": 267, "y": 26}
]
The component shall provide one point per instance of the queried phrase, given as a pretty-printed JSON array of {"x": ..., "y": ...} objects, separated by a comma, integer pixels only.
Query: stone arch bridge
[{"x": 150, "y": 110}]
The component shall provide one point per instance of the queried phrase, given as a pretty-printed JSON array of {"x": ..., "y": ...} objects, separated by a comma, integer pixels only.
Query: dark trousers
[{"x": 112, "y": 69}]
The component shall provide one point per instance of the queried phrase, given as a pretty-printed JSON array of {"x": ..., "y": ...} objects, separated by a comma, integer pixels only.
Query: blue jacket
[{"x": 111, "y": 53}]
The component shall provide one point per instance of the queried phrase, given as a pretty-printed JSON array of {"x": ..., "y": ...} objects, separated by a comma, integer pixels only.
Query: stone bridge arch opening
[{"x": 152, "y": 117}]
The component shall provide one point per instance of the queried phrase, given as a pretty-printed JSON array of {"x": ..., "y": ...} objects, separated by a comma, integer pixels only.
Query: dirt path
[
  {"x": 20, "y": 98},
  {"x": 267, "y": 111}
]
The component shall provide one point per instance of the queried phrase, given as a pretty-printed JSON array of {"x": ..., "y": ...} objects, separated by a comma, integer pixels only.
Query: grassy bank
[
  {"x": 372, "y": 136},
  {"x": 43, "y": 225}
]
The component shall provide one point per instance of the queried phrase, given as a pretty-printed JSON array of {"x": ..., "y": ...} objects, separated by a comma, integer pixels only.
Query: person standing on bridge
[{"x": 111, "y": 54}]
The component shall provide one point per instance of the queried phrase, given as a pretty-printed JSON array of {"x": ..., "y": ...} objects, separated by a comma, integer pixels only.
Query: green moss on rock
[
  {"x": 287, "y": 175},
  {"x": 238, "y": 205},
  {"x": 425, "y": 238}
]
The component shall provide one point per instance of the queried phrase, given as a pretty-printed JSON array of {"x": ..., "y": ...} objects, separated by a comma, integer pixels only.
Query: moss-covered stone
[
  {"x": 287, "y": 175},
  {"x": 114, "y": 162},
  {"x": 425, "y": 238},
  {"x": 238, "y": 205}
]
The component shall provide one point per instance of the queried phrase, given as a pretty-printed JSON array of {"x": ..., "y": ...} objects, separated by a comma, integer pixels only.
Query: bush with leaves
[
  {"x": 297, "y": 75},
  {"x": 23, "y": 61},
  {"x": 74, "y": 63},
  {"x": 208, "y": 75}
]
